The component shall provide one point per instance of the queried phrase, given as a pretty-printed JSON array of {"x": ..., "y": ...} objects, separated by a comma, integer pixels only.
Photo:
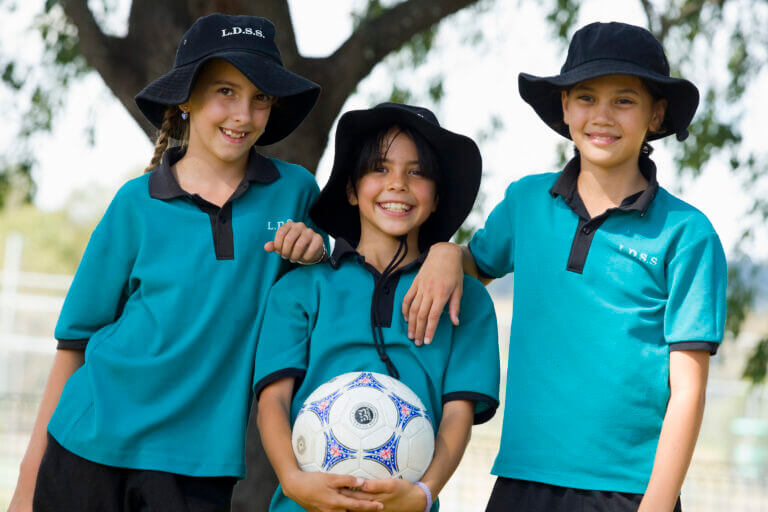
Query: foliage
[{"x": 53, "y": 242}]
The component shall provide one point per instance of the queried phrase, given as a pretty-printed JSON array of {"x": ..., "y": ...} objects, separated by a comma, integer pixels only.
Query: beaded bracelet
[{"x": 426, "y": 490}]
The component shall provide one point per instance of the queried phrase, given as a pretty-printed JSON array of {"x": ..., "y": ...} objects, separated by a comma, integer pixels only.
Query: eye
[
  {"x": 585, "y": 98},
  {"x": 264, "y": 99},
  {"x": 225, "y": 91},
  {"x": 625, "y": 101},
  {"x": 416, "y": 172}
]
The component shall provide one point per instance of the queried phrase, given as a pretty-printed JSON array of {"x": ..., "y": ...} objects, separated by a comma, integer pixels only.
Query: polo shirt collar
[
  {"x": 565, "y": 187},
  {"x": 343, "y": 249},
  {"x": 163, "y": 185}
]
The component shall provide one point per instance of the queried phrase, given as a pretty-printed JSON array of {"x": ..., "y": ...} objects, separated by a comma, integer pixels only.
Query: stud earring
[{"x": 184, "y": 115}]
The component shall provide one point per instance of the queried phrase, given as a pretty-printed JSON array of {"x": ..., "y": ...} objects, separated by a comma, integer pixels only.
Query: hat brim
[
  {"x": 296, "y": 94},
  {"x": 544, "y": 94},
  {"x": 459, "y": 167}
]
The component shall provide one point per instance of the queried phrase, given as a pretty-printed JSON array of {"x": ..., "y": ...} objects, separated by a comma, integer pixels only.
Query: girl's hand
[
  {"x": 440, "y": 279},
  {"x": 325, "y": 492},
  {"x": 395, "y": 494},
  {"x": 297, "y": 242}
]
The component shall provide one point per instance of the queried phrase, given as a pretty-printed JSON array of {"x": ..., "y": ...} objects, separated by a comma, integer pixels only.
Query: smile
[
  {"x": 601, "y": 139},
  {"x": 233, "y": 134},
  {"x": 395, "y": 207}
]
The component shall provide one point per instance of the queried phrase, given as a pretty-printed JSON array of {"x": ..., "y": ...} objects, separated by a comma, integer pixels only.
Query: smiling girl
[
  {"x": 148, "y": 400},
  {"x": 619, "y": 292},
  {"x": 399, "y": 183}
]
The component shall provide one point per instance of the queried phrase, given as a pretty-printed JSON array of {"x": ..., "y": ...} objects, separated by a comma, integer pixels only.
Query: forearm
[
  {"x": 451, "y": 441},
  {"x": 65, "y": 363},
  {"x": 676, "y": 444},
  {"x": 275, "y": 428}
]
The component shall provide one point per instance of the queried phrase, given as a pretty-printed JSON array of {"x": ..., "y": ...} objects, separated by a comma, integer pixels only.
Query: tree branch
[
  {"x": 689, "y": 8},
  {"x": 93, "y": 42}
]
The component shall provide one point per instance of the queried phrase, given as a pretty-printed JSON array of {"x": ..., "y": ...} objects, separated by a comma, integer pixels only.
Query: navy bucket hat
[
  {"x": 458, "y": 160},
  {"x": 248, "y": 43},
  {"x": 601, "y": 49}
]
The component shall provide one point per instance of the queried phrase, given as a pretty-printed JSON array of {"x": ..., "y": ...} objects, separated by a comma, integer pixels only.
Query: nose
[
  {"x": 241, "y": 111},
  {"x": 396, "y": 180},
  {"x": 602, "y": 113}
]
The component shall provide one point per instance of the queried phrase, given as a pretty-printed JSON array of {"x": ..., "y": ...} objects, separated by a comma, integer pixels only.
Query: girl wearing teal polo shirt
[
  {"x": 619, "y": 293},
  {"x": 152, "y": 383},
  {"x": 399, "y": 183}
]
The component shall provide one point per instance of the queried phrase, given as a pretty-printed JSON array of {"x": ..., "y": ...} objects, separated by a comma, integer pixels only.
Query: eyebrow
[
  {"x": 225, "y": 82},
  {"x": 410, "y": 162},
  {"x": 626, "y": 90}
]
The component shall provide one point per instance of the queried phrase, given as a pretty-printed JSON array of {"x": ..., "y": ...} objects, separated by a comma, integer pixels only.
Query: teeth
[
  {"x": 396, "y": 207},
  {"x": 234, "y": 135}
]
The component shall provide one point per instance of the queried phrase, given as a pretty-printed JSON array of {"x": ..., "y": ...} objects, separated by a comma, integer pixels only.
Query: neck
[
  {"x": 203, "y": 167},
  {"x": 602, "y": 188},
  {"x": 379, "y": 249}
]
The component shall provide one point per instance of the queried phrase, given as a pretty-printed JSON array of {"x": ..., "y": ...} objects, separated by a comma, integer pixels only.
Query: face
[
  {"x": 227, "y": 113},
  {"x": 608, "y": 118},
  {"x": 396, "y": 198}
]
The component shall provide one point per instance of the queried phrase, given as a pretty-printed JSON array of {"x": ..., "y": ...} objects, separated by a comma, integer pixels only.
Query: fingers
[
  {"x": 408, "y": 298},
  {"x": 297, "y": 242},
  {"x": 433, "y": 318},
  {"x": 454, "y": 305},
  {"x": 422, "y": 317},
  {"x": 382, "y": 485},
  {"x": 344, "y": 501},
  {"x": 412, "y": 321}
]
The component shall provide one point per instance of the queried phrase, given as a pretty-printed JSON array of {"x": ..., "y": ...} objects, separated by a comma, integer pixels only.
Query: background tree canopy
[{"x": 722, "y": 45}]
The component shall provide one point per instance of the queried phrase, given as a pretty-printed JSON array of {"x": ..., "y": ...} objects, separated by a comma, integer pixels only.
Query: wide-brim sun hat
[
  {"x": 248, "y": 43},
  {"x": 459, "y": 168},
  {"x": 602, "y": 49}
]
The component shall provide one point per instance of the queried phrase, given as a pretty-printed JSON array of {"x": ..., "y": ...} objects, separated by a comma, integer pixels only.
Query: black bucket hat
[
  {"x": 601, "y": 49},
  {"x": 248, "y": 43},
  {"x": 459, "y": 166}
]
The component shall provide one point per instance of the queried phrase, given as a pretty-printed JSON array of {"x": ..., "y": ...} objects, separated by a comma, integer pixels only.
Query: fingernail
[
  {"x": 427, "y": 341},
  {"x": 359, "y": 482},
  {"x": 410, "y": 335}
]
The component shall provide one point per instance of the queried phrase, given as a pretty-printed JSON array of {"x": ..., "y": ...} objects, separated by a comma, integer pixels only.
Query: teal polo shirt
[
  {"x": 167, "y": 302},
  {"x": 598, "y": 304},
  {"x": 318, "y": 326}
]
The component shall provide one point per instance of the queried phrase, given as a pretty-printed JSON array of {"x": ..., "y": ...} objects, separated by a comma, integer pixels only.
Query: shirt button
[
  {"x": 223, "y": 220},
  {"x": 585, "y": 230},
  {"x": 386, "y": 290}
]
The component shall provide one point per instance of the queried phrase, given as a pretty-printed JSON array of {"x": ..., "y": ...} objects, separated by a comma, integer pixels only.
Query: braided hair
[{"x": 174, "y": 129}]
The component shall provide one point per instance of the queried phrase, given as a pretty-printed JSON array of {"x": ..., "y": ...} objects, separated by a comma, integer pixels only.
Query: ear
[
  {"x": 351, "y": 194},
  {"x": 564, "y": 102},
  {"x": 437, "y": 201},
  {"x": 658, "y": 111}
]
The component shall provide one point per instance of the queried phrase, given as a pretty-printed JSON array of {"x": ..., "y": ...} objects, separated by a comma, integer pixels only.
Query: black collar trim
[
  {"x": 565, "y": 187},
  {"x": 163, "y": 185},
  {"x": 343, "y": 249}
]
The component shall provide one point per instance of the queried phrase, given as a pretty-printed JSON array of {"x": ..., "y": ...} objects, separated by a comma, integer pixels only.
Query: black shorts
[
  {"x": 521, "y": 495},
  {"x": 66, "y": 482}
]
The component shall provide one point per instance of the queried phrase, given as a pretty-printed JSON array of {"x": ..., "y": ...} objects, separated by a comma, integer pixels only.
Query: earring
[{"x": 184, "y": 115}]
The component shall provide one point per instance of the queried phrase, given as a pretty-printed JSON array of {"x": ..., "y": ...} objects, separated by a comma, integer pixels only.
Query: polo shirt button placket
[{"x": 586, "y": 230}]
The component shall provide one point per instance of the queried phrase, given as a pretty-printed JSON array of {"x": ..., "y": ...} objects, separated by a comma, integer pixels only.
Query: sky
[{"x": 480, "y": 81}]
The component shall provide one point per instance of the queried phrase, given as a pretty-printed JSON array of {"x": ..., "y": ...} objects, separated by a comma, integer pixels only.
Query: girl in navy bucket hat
[
  {"x": 619, "y": 293},
  {"x": 150, "y": 391}
]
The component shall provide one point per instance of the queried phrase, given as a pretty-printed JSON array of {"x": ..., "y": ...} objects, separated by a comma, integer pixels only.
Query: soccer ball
[{"x": 364, "y": 424}]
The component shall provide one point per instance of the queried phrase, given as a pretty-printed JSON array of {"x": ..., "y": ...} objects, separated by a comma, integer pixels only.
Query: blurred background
[{"x": 70, "y": 137}]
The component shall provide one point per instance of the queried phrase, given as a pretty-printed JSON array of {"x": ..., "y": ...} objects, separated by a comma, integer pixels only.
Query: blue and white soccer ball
[{"x": 364, "y": 424}]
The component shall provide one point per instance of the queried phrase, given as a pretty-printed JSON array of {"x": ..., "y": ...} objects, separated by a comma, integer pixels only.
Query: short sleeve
[
  {"x": 282, "y": 348},
  {"x": 100, "y": 286},
  {"x": 696, "y": 286},
  {"x": 473, "y": 366},
  {"x": 493, "y": 246}
]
